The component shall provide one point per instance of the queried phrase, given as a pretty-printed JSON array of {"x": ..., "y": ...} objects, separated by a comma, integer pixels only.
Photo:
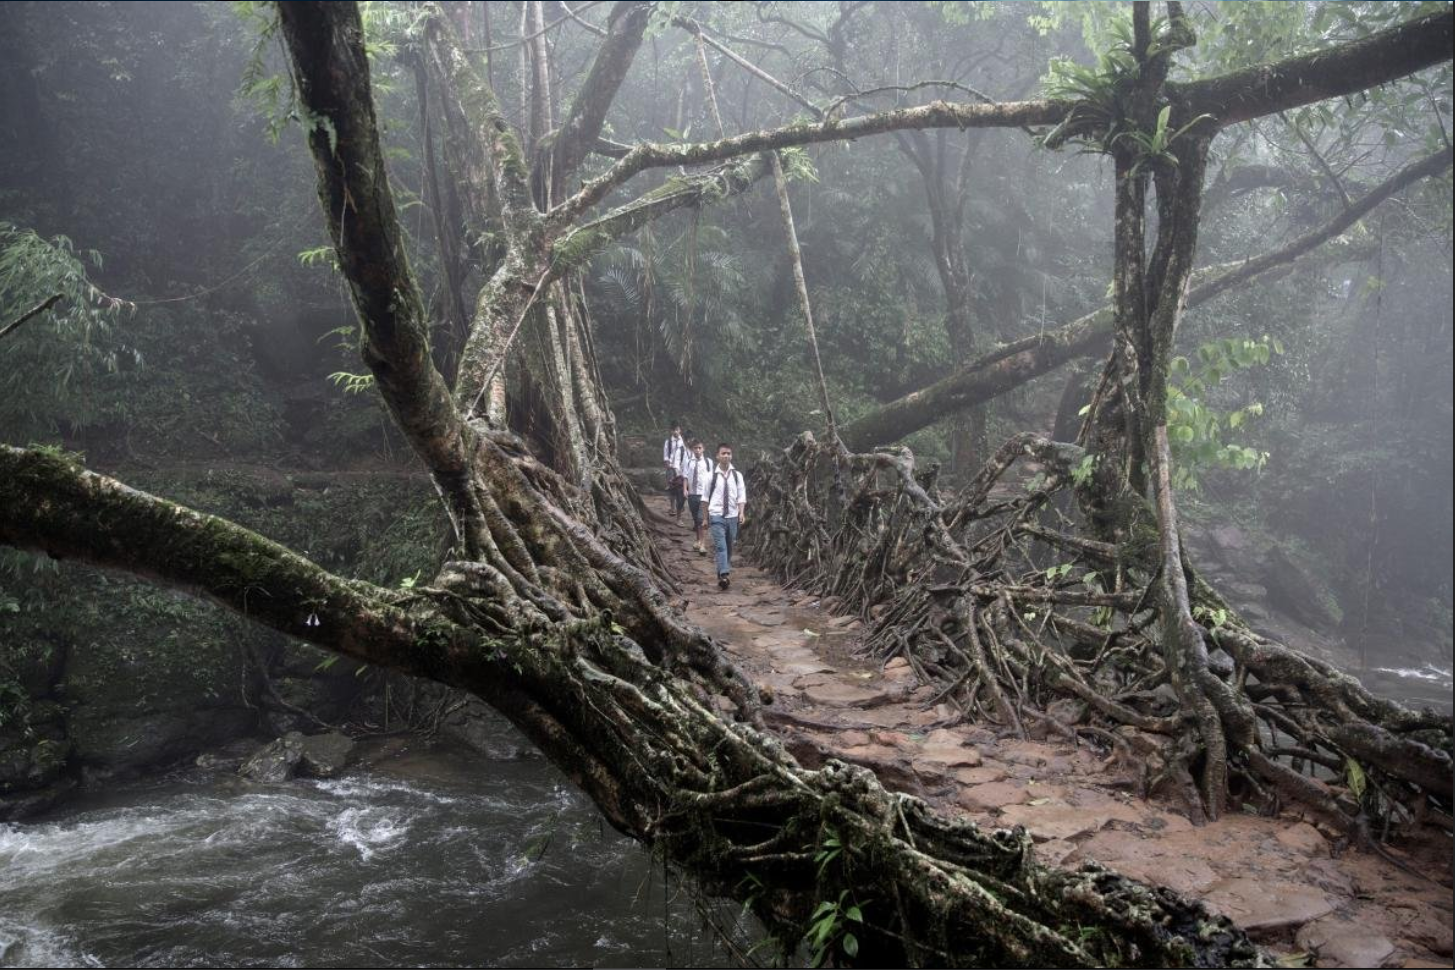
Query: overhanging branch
[
  {"x": 1354, "y": 66},
  {"x": 1378, "y": 59},
  {"x": 48, "y": 504},
  {"x": 1005, "y": 368}
]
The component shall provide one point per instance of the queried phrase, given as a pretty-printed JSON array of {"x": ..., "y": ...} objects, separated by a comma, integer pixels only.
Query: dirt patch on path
[{"x": 1278, "y": 877}]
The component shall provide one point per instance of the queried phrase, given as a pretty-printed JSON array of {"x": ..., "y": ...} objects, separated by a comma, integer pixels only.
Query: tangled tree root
[
  {"x": 999, "y": 596},
  {"x": 621, "y": 693}
]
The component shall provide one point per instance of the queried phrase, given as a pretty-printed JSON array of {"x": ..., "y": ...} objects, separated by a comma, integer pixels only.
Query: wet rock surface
[
  {"x": 1283, "y": 878},
  {"x": 275, "y": 761},
  {"x": 314, "y": 756},
  {"x": 325, "y": 755}
]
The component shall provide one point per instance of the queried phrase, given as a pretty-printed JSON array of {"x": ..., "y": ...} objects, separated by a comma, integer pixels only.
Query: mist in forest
[
  {"x": 945, "y": 288},
  {"x": 145, "y": 133}
]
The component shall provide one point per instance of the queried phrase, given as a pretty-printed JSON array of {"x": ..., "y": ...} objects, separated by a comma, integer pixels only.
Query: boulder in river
[
  {"x": 325, "y": 755},
  {"x": 277, "y": 761},
  {"x": 315, "y": 756}
]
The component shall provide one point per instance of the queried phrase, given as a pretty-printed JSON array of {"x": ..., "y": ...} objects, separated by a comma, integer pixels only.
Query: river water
[
  {"x": 426, "y": 857},
  {"x": 432, "y": 859}
]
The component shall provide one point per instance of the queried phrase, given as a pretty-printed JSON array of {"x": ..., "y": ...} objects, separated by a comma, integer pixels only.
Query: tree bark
[{"x": 328, "y": 59}]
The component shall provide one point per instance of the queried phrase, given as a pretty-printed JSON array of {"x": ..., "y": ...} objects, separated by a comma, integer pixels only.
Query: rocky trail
[{"x": 1281, "y": 878}]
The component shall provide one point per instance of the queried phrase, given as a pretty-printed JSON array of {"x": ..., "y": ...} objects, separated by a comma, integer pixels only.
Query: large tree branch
[
  {"x": 48, "y": 504},
  {"x": 464, "y": 86},
  {"x": 1008, "y": 367},
  {"x": 936, "y": 114},
  {"x": 692, "y": 191},
  {"x": 1382, "y": 57},
  {"x": 326, "y": 45},
  {"x": 577, "y": 134},
  {"x": 1358, "y": 209}
]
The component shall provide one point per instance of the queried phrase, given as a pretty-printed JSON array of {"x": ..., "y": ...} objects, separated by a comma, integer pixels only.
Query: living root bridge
[
  {"x": 718, "y": 798},
  {"x": 997, "y": 596}
]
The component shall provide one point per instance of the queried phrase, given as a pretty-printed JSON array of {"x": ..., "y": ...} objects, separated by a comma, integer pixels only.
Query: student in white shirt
[
  {"x": 696, "y": 473},
  {"x": 674, "y": 450},
  {"x": 726, "y": 497}
]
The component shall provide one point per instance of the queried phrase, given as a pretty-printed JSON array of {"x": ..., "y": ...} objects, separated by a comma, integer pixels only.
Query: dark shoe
[{"x": 722, "y": 581}]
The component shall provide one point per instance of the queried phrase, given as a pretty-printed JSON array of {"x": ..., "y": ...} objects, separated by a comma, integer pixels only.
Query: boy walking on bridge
[
  {"x": 727, "y": 496},
  {"x": 674, "y": 454},
  {"x": 696, "y": 473}
]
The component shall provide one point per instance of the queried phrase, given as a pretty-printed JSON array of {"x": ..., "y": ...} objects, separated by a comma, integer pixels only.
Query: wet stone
[
  {"x": 984, "y": 775},
  {"x": 762, "y": 618},
  {"x": 992, "y": 796},
  {"x": 276, "y": 761},
  {"x": 839, "y": 694},
  {"x": 1337, "y": 943},
  {"x": 1054, "y": 852},
  {"x": 1304, "y": 839},
  {"x": 325, "y": 755},
  {"x": 1267, "y": 905},
  {"x": 1053, "y": 820},
  {"x": 802, "y": 669}
]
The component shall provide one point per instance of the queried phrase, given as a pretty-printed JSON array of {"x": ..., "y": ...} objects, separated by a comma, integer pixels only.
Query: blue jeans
[
  {"x": 724, "y": 534},
  {"x": 694, "y": 502}
]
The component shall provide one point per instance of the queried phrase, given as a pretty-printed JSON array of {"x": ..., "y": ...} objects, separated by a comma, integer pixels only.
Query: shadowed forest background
[{"x": 206, "y": 346}]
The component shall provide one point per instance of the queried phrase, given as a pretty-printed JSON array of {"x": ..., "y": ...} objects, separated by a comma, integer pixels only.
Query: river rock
[
  {"x": 275, "y": 762},
  {"x": 28, "y": 804},
  {"x": 325, "y": 755},
  {"x": 1296, "y": 588}
]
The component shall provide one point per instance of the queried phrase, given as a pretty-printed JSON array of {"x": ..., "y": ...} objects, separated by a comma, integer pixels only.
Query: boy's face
[
  {"x": 724, "y": 456},
  {"x": 697, "y": 450},
  {"x": 676, "y": 431}
]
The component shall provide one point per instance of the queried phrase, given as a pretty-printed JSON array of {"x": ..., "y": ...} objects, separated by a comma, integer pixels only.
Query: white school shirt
[
  {"x": 697, "y": 477},
  {"x": 672, "y": 450},
  {"x": 730, "y": 487}
]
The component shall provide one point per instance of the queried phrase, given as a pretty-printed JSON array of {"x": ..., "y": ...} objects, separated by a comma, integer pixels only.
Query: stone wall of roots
[{"x": 998, "y": 595}]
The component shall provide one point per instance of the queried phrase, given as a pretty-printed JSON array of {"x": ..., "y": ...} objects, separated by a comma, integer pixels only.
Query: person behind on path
[
  {"x": 674, "y": 451},
  {"x": 696, "y": 473},
  {"x": 726, "y": 497}
]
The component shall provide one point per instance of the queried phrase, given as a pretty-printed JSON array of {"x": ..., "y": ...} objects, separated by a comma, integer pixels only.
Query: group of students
[{"x": 714, "y": 492}]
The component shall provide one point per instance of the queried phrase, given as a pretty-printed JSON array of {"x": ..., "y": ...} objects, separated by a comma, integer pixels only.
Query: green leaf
[{"x": 1354, "y": 774}]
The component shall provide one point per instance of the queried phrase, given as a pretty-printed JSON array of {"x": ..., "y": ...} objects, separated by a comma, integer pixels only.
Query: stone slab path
[{"x": 1279, "y": 878}]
